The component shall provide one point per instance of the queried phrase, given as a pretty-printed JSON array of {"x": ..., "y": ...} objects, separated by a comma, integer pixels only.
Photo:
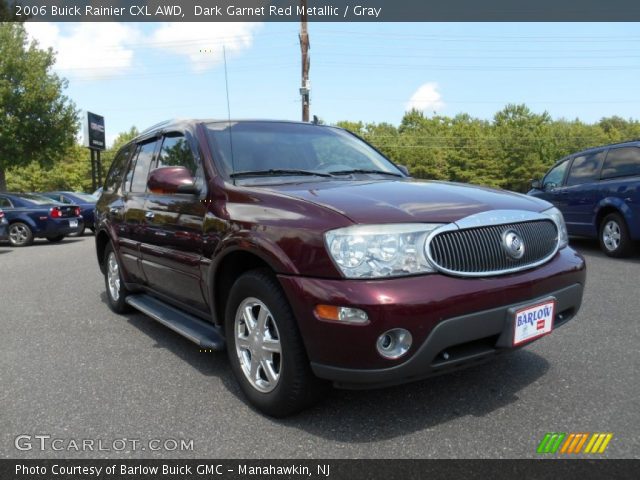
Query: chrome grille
[{"x": 481, "y": 251}]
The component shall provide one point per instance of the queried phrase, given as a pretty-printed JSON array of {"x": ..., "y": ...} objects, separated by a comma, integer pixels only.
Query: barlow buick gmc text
[{"x": 316, "y": 261}]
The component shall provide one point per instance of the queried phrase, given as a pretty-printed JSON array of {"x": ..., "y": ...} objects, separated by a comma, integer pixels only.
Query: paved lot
[{"x": 72, "y": 369}]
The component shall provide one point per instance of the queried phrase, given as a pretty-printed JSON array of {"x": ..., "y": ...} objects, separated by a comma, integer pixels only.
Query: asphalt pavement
[{"x": 72, "y": 370}]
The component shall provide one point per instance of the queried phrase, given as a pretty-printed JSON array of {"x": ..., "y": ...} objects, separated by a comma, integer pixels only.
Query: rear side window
[
  {"x": 555, "y": 176},
  {"x": 143, "y": 160},
  {"x": 114, "y": 177},
  {"x": 585, "y": 168},
  {"x": 5, "y": 203},
  {"x": 622, "y": 162}
]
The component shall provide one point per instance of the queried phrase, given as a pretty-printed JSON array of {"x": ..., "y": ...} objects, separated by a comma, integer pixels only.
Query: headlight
[
  {"x": 373, "y": 251},
  {"x": 556, "y": 216}
]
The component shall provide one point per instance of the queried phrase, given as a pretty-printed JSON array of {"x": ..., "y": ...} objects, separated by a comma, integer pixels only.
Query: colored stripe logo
[{"x": 554, "y": 442}]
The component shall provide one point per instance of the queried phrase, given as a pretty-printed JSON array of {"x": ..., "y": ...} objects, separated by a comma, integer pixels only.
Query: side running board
[{"x": 198, "y": 331}]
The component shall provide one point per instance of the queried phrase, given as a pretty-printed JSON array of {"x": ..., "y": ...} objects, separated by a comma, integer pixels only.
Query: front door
[{"x": 173, "y": 252}]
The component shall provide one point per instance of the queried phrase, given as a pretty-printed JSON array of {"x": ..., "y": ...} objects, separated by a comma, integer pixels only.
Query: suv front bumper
[{"x": 471, "y": 319}]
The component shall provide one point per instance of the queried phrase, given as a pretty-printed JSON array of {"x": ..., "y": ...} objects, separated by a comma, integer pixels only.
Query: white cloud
[
  {"x": 202, "y": 42},
  {"x": 89, "y": 50},
  {"x": 426, "y": 98}
]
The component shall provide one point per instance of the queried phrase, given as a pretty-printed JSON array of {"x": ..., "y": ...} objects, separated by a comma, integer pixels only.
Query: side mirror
[
  {"x": 170, "y": 180},
  {"x": 404, "y": 170},
  {"x": 537, "y": 184}
]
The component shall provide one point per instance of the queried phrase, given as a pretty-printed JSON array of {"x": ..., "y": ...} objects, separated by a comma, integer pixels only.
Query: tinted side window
[
  {"x": 5, "y": 203},
  {"x": 585, "y": 168},
  {"x": 175, "y": 151},
  {"x": 114, "y": 177},
  {"x": 143, "y": 161},
  {"x": 555, "y": 176},
  {"x": 622, "y": 162}
]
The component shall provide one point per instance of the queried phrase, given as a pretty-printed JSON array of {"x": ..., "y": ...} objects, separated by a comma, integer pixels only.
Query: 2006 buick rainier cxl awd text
[{"x": 314, "y": 260}]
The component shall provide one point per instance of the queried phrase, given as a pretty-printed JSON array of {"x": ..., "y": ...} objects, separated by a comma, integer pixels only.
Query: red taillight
[
  {"x": 77, "y": 211},
  {"x": 1, "y": 214},
  {"x": 56, "y": 212}
]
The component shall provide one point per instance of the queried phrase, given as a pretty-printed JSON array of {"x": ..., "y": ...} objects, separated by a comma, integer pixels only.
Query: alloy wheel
[
  {"x": 18, "y": 233},
  {"x": 113, "y": 276},
  {"x": 258, "y": 344},
  {"x": 611, "y": 235}
]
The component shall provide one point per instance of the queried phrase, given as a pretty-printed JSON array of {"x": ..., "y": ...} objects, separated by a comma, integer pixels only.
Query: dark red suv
[{"x": 316, "y": 260}]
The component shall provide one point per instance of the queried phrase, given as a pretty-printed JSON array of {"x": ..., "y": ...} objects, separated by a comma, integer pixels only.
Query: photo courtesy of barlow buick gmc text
[{"x": 312, "y": 239}]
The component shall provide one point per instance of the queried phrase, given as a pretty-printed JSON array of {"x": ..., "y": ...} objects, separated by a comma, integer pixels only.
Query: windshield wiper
[
  {"x": 276, "y": 172},
  {"x": 362, "y": 170}
]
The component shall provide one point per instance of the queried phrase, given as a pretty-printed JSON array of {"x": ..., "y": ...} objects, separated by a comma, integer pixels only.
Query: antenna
[{"x": 226, "y": 85}]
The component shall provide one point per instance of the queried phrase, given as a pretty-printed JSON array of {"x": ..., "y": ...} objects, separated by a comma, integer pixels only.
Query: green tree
[
  {"x": 7, "y": 10},
  {"x": 37, "y": 122}
]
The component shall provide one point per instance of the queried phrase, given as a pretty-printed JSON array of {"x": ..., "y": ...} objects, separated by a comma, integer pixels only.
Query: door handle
[{"x": 149, "y": 215}]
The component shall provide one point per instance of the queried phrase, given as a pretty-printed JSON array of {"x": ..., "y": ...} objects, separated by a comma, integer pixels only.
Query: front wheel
[
  {"x": 265, "y": 349},
  {"x": 614, "y": 236},
  {"x": 116, "y": 291}
]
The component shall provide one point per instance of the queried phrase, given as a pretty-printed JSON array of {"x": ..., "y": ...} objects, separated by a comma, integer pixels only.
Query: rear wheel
[
  {"x": 265, "y": 349},
  {"x": 20, "y": 234},
  {"x": 116, "y": 291},
  {"x": 614, "y": 236},
  {"x": 55, "y": 239}
]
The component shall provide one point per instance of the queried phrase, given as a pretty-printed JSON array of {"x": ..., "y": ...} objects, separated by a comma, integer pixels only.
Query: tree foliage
[
  {"x": 38, "y": 123},
  {"x": 516, "y": 146},
  {"x": 71, "y": 172}
]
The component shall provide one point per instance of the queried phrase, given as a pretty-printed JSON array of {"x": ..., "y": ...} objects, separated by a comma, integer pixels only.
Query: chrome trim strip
[{"x": 487, "y": 219}]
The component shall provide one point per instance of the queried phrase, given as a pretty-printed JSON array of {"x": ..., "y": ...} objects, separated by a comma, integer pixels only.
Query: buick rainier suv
[{"x": 316, "y": 261}]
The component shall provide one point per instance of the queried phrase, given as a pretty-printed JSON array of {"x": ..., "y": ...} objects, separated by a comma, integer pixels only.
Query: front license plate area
[{"x": 533, "y": 321}]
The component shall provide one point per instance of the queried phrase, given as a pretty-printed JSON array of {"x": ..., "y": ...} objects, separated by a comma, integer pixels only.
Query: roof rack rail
[{"x": 157, "y": 125}]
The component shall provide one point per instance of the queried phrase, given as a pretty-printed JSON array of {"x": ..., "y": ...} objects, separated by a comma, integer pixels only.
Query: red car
[{"x": 316, "y": 261}]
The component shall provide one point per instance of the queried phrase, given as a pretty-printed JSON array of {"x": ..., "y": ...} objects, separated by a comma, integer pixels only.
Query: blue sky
[{"x": 139, "y": 74}]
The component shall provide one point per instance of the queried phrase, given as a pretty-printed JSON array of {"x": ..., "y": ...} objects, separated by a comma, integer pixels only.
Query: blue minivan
[{"x": 598, "y": 192}]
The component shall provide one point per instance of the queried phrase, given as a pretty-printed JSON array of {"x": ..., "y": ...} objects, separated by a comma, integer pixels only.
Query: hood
[{"x": 402, "y": 201}]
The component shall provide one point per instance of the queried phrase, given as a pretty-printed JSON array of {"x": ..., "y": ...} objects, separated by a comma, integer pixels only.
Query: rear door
[
  {"x": 582, "y": 192},
  {"x": 135, "y": 192},
  {"x": 173, "y": 253},
  {"x": 620, "y": 179}
]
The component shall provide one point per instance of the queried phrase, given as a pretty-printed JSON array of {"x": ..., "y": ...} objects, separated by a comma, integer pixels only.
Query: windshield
[
  {"x": 281, "y": 148},
  {"x": 85, "y": 197}
]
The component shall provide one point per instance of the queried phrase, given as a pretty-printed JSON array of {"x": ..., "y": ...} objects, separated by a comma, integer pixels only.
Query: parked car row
[
  {"x": 53, "y": 215},
  {"x": 598, "y": 192}
]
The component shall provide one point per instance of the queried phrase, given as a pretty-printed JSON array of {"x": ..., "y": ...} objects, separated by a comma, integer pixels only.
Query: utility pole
[{"x": 305, "y": 87}]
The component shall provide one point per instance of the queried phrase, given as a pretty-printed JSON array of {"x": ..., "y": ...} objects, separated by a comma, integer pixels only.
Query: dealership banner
[
  {"x": 322, "y": 10},
  {"x": 583, "y": 469}
]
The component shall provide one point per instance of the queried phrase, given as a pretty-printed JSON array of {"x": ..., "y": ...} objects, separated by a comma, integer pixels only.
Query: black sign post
[{"x": 95, "y": 140}]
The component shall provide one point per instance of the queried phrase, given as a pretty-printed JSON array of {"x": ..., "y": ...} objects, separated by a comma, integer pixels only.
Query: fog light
[
  {"x": 394, "y": 343},
  {"x": 341, "y": 314}
]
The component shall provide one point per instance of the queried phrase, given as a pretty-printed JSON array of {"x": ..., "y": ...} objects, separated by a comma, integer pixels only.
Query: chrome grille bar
[{"x": 480, "y": 250}]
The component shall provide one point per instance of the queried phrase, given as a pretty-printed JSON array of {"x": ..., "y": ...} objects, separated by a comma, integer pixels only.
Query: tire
[
  {"x": 277, "y": 384},
  {"x": 614, "y": 236},
  {"x": 116, "y": 291},
  {"x": 56, "y": 239},
  {"x": 20, "y": 234}
]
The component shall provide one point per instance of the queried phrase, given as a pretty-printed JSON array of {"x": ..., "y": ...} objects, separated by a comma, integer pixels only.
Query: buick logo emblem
[{"x": 513, "y": 244}]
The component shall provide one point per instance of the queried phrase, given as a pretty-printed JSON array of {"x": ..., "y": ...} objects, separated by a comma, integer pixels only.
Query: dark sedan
[
  {"x": 33, "y": 216},
  {"x": 4, "y": 227},
  {"x": 85, "y": 201}
]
